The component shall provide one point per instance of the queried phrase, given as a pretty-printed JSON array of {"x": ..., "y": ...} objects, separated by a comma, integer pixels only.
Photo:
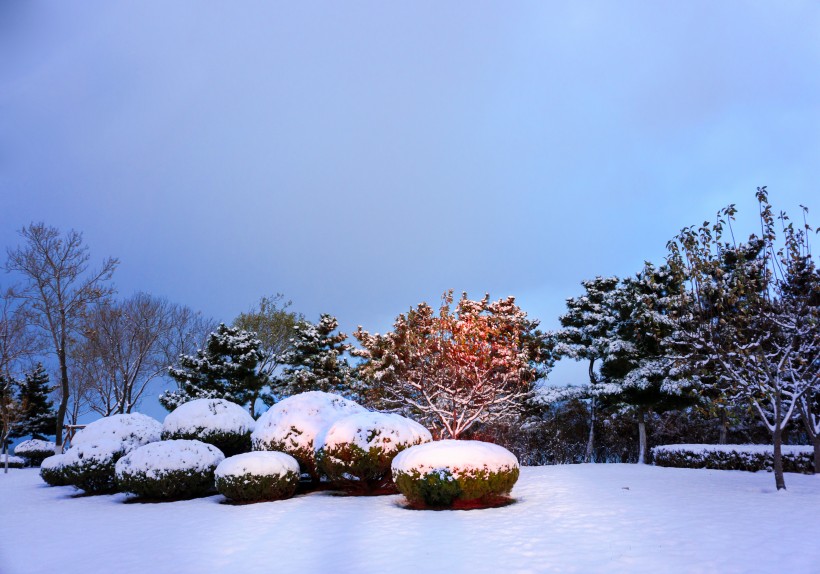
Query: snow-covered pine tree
[
  {"x": 638, "y": 369},
  {"x": 315, "y": 361},
  {"x": 586, "y": 335},
  {"x": 38, "y": 410},
  {"x": 224, "y": 369}
]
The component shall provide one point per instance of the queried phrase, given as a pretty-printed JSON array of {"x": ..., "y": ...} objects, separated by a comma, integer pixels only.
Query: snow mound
[
  {"x": 131, "y": 430},
  {"x": 208, "y": 414},
  {"x": 367, "y": 430},
  {"x": 155, "y": 459},
  {"x": 34, "y": 446},
  {"x": 457, "y": 456},
  {"x": 260, "y": 463},
  {"x": 299, "y": 420},
  {"x": 97, "y": 451},
  {"x": 53, "y": 462},
  {"x": 12, "y": 460}
]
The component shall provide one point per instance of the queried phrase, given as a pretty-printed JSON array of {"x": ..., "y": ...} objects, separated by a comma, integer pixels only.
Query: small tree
[
  {"x": 58, "y": 289},
  {"x": 315, "y": 360},
  {"x": 38, "y": 410},
  {"x": 225, "y": 369},
  {"x": 475, "y": 364},
  {"x": 761, "y": 340}
]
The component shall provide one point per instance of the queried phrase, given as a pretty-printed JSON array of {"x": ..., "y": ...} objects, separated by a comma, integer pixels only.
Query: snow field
[{"x": 576, "y": 518}]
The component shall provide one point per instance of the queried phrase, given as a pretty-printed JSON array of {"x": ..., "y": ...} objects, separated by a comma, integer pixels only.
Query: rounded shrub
[
  {"x": 455, "y": 474},
  {"x": 52, "y": 471},
  {"x": 294, "y": 424},
  {"x": 172, "y": 469},
  {"x": 35, "y": 451},
  {"x": 221, "y": 423},
  {"x": 257, "y": 476},
  {"x": 356, "y": 451},
  {"x": 90, "y": 466},
  {"x": 13, "y": 461},
  {"x": 89, "y": 463}
]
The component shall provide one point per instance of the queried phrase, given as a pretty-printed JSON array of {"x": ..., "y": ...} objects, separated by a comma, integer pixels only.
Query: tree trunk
[
  {"x": 590, "y": 454},
  {"x": 777, "y": 439},
  {"x": 816, "y": 454},
  {"x": 641, "y": 438},
  {"x": 724, "y": 427},
  {"x": 58, "y": 449}
]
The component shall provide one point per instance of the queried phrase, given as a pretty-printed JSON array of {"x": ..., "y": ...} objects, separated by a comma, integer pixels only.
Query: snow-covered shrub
[
  {"x": 221, "y": 423},
  {"x": 90, "y": 466},
  {"x": 455, "y": 473},
  {"x": 51, "y": 471},
  {"x": 750, "y": 457},
  {"x": 13, "y": 461},
  {"x": 357, "y": 450},
  {"x": 35, "y": 450},
  {"x": 255, "y": 476},
  {"x": 294, "y": 424},
  {"x": 89, "y": 463},
  {"x": 169, "y": 469}
]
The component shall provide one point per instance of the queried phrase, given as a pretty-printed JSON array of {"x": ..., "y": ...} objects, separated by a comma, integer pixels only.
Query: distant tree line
[{"x": 720, "y": 341}]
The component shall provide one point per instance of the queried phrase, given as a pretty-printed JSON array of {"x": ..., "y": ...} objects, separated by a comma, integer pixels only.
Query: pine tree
[
  {"x": 225, "y": 369},
  {"x": 38, "y": 410},
  {"x": 315, "y": 361}
]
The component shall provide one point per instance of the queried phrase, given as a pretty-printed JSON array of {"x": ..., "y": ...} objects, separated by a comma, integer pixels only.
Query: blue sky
[{"x": 362, "y": 157}]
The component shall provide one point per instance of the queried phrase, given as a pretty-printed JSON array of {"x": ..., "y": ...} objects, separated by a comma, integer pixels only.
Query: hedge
[{"x": 749, "y": 457}]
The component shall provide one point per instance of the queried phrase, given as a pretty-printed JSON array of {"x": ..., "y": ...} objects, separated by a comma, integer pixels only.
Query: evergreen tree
[
  {"x": 225, "y": 369},
  {"x": 315, "y": 361},
  {"x": 38, "y": 410}
]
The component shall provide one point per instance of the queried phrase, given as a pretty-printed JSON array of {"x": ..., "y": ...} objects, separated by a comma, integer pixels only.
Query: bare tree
[
  {"x": 12, "y": 412},
  {"x": 58, "y": 288}
]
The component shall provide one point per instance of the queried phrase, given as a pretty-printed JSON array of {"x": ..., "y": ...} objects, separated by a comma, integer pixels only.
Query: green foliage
[
  {"x": 250, "y": 487},
  {"x": 54, "y": 475},
  {"x": 39, "y": 418},
  {"x": 167, "y": 484},
  {"x": 441, "y": 488},
  {"x": 230, "y": 443},
  {"x": 93, "y": 474},
  {"x": 305, "y": 456},
  {"x": 225, "y": 369},
  {"x": 735, "y": 459},
  {"x": 357, "y": 470}
]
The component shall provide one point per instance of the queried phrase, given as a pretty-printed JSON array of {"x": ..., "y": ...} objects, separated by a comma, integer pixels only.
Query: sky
[{"x": 363, "y": 157}]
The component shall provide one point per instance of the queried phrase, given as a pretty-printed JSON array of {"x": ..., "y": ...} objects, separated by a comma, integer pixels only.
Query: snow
[
  {"x": 157, "y": 458},
  {"x": 261, "y": 463},
  {"x": 34, "y": 445},
  {"x": 575, "y": 518},
  {"x": 133, "y": 430},
  {"x": 11, "y": 460},
  {"x": 750, "y": 448},
  {"x": 54, "y": 461},
  {"x": 395, "y": 431},
  {"x": 456, "y": 455},
  {"x": 301, "y": 419},
  {"x": 100, "y": 450},
  {"x": 210, "y": 414}
]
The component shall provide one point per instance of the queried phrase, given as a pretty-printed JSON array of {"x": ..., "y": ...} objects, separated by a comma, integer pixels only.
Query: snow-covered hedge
[
  {"x": 356, "y": 451},
  {"x": 51, "y": 471},
  {"x": 294, "y": 424},
  {"x": 171, "y": 469},
  {"x": 13, "y": 461},
  {"x": 455, "y": 473},
  {"x": 255, "y": 476},
  {"x": 35, "y": 450},
  {"x": 221, "y": 423},
  {"x": 751, "y": 457},
  {"x": 89, "y": 463}
]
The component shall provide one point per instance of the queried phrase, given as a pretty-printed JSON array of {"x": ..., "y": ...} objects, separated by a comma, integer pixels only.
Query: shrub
[
  {"x": 356, "y": 451},
  {"x": 132, "y": 430},
  {"x": 52, "y": 472},
  {"x": 172, "y": 469},
  {"x": 13, "y": 461},
  {"x": 256, "y": 476},
  {"x": 749, "y": 457},
  {"x": 35, "y": 451},
  {"x": 90, "y": 466},
  {"x": 293, "y": 426},
  {"x": 221, "y": 423},
  {"x": 455, "y": 474}
]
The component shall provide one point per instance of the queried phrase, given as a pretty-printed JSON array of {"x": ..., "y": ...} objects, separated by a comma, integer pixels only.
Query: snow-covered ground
[{"x": 579, "y": 518}]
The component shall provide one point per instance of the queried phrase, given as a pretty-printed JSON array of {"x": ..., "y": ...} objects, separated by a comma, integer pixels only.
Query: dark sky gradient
[{"x": 361, "y": 157}]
